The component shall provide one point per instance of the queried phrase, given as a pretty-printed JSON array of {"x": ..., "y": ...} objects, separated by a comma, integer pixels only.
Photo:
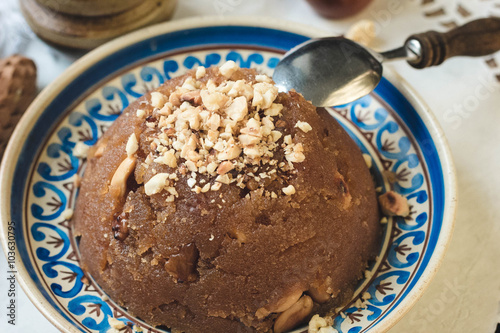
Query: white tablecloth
[{"x": 463, "y": 93}]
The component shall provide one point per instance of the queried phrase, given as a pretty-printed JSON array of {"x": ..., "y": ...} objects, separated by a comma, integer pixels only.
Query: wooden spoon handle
[{"x": 477, "y": 38}]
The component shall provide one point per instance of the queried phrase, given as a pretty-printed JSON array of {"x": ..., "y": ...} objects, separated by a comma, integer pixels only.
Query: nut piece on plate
[
  {"x": 394, "y": 204},
  {"x": 319, "y": 324},
  {"x": 17, "y": 91}
]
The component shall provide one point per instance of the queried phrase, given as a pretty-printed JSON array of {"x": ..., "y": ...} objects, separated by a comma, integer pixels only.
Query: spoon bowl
[{"x": 329, "y": 71}]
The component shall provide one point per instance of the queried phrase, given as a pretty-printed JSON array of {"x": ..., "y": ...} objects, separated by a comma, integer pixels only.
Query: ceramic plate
[{"x": 391, "y": 125}]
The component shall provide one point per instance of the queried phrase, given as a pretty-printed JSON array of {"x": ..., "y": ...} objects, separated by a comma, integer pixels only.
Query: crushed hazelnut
[
  {"x": 238, "y": 109},
  {"x": 158, "y": 100},
  {"x": 216, "y": 186},
  {"x": 394, "y": 204},
  {"x": 141, "y": 113},
  {"x": 274, "y": 110},
  {"x": 225, "y": 167},
  {"x": 287, "y": 139},
  {"x": 263, "y": 78},
  {"x": 294, "y": 153},
  {"x": 168, "y": 158},
  {"x": 156, "y": 184},
  {"x": 228, "y": 68},
  {"x": 213, "y": 101},
  {"x": 116, "y": 324},
  {"x": 205, "y": 188},
  {"x": 264, "y": 95},
  {"x": 303, "y": 126},
  {"x": 276, "y": 135},
  {"x": 132, "y": 145},
  {"x": 224, "y": 179},
  {"x": 227, "y": 130},
  {"x": 289, "y": 190},
  {"x": 191, "y": 182},
  {"x": 192, "y": 97},
  {"x": 200, "y": 72}
]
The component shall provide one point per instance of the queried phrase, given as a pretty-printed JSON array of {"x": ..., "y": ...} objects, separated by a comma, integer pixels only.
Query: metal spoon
[{"x": 335, "y": 70}]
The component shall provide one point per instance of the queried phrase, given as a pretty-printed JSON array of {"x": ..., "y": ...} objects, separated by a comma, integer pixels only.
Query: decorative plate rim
[
  {"x": 30, "y": 117},
  {"x": 451, "y": 195}
]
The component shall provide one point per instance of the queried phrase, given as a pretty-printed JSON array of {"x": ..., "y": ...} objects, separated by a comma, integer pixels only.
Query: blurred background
[{"x": 463, "y": 93}]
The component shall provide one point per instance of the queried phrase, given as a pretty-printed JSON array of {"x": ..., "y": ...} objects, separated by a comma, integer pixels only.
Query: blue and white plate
[{"x": 39, "y": 169}]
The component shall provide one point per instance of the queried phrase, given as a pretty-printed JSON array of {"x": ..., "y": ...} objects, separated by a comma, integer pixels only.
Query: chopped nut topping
[
  {"x": 191, "y": 182},
  {"x": 200, "y": 72},
  {"x": 238, "y": 109},
  {"x": 263, "y": 78},
  {"x": 228, "y": 69},
  {"x": 264, "y": 95},
  {"x": 289, "y": 190},
  {"x": 224, "y": 179},
  {"x": 213, "y": 101},
  {"x": 205, "y": 188},
  {"x": 228, "y": 131},
  {"x": 192, "y": 97},
  {"x": 216, "y": 186},
  {"x": 141, "y": 113},
  {"x": 115, "y": 323},
  {"x": 157, "y": 183},
  {"x": 158, "y": 100},
  {"x": 294, "y": 153},
  {"x": 225, "y": 167},
  {"x": 276, "y": 135},
  {"x": 303, "y": 126},
  {"x": 274, "y": 110},
  {"x": 132, "y": 145}
]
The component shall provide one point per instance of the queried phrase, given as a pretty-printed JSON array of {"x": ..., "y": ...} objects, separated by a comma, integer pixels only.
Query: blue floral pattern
[{"x": 375, "y": 128}]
